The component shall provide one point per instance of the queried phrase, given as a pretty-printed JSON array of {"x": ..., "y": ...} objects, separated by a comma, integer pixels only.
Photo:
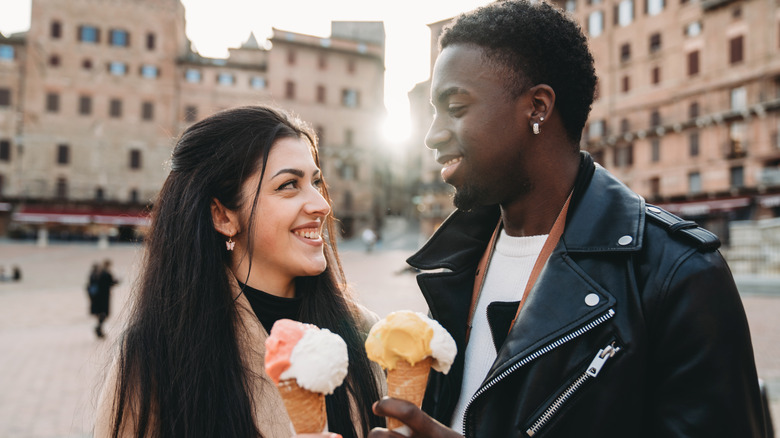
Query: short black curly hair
[{"x": 537, "y": 44}]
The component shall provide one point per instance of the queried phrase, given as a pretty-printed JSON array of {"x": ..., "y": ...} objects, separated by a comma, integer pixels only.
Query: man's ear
[
  {"x": 225, "y": 220},
  {"x": 542, "y": 102}
]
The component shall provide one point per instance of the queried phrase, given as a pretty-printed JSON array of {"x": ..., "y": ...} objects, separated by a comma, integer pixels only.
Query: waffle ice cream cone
[
  {"x": 306, "y": 363},
  {"x": 407, "y": 382},
  {"x": 408, "y": 344},
  {"x": 305, "y": 408}
]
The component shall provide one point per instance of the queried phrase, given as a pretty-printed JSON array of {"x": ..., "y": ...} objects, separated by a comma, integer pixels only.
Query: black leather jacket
[{"x": 634, "y": 327}]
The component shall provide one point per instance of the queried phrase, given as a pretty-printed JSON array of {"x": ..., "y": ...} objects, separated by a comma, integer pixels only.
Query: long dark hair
[{"x": 180, "y": 370}]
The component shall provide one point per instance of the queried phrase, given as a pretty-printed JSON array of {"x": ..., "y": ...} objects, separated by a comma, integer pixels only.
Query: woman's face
[{"x": 288, "y": 222}]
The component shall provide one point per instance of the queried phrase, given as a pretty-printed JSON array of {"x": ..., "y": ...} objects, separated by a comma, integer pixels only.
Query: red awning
[
  {"x": 35, "y": 215},
  {"x": 701, "y": 208}
]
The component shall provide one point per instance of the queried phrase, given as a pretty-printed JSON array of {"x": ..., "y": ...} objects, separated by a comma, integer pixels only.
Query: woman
[{"x": 241, "y": 235}]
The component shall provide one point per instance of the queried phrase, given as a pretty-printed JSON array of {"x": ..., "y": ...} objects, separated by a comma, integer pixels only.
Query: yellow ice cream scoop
[{"x": 401, "y": 335}]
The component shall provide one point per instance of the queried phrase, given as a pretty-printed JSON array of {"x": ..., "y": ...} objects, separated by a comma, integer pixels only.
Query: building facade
[
  {"x": 93, "y": 96},
  {"x": 687, "y": 110}
]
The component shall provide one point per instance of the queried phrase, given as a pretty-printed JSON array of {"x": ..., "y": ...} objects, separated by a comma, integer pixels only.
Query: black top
[{"x": 270, "y": 308}]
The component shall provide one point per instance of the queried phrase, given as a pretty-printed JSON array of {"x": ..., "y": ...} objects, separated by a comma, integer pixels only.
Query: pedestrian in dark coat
[{"x": 100, "y": 301}]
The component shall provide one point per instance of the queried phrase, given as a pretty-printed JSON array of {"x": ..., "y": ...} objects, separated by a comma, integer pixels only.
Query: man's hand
[{"x": 421, "y": 425}]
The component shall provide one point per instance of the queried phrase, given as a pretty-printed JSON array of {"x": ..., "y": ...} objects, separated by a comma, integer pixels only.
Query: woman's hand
[{"x": 420, "y": 424}]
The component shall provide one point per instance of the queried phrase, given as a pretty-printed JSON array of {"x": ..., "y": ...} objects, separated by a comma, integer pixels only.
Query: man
[{"x": 578, "y": 309}]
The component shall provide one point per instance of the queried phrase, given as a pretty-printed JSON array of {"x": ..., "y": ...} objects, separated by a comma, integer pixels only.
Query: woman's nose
[{"x": 317, "y": 204}]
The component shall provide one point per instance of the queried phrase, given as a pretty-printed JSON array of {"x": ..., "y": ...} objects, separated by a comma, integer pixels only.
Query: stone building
[
  {"x": 93, "y": 96},
  {"x": 687, "y": 106}
]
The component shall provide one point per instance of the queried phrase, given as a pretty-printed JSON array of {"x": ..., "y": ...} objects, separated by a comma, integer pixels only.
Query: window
[
  {"x": 624, "y": 156},
  {"x": 226, "y": 79},
  {"x": 693, "y": 63},
  {"x": 350, "y": 98},
  {"x": 735, "y": 49},
  {"x": 655, "y": 75},
  {"x": 737, "y": 134},
  {"x": 135, "y": 159},
  {"x": 625, "y": 13},
  {"x": 6, "y": 52},
  {"x": 625, "y": 126},
  {"x": 86, "y": 64},
  {"x": 320, "y": 94},
  {"x": 322, "y": 62},
  {"x": 63, "y": 154},
  {"x": 89, "y": 34},
  {"x": 737, "y": 177},
  {"x": 693, "y": 110},
  {"x": 133, "y": 196},
  {"x": 595, "y": 23},
  {"x": 257, "y": 82},
  {"x": 291, "y": 57},
  {"x": 99, "y": 194},
  {"x": 694, "y": 183},
  {"x": 115, "y": 108},
  {"x": 655, "y": 119},
  {"x": 52, "y": 102},
  {"x": 626, "y": 84},
  {"x": 597, "y": 129},
  {"x": 5, "y": 150},
  {"x": 348, "y": 137},
  {"x": 654, "y": 7},
  {"x": 151, "y": 41},
  {"x": 54, "y": 60},
  {"x": 738, "y": 98},
  {"x": 571, "y": 6},
  {"x": 119, "y": 38},
  {"x": 655, "y": 150},
  {"x": 625, "y": 52},
  {"x": 190, "y": 113},
  {"x": 5, "y": 97},
  {"x": 61, "y": 188},
  {"x": 55, "y": 30},
  {"x": 147, "y": 111},
  {"x": 117, "y": 68},
  {"x": 655, "y": 42},
  {"x": 289, "y": 90},
  {"x": 351, "y": 66},
  {"x": 693, "y": 29},
  {"x": 85, "y": 105},
  {"x": 150, "y": 71},
  {"x": 693, "y": 144},
  {"x": 192, "y": 75},
  {"x": 655, "y": 187}
]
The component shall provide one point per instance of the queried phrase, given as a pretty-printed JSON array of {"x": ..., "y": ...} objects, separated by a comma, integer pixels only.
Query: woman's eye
[
  {"x": 318, "y": 183},
  {"x": 288, "y": 185}
]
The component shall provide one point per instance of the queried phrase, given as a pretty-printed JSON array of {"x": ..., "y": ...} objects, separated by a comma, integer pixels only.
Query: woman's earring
[
  {"x": 230, "y": 244},
  {"x": 536, "y": 128}
]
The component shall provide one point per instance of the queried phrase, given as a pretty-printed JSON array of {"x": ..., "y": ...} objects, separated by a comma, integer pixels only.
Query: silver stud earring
[
  {"x": 541, "y": 119},
  {"x": 536, "y": 128}
]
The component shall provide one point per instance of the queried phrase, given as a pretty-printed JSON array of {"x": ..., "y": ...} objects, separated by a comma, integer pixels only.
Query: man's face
[{"x": 478, "y": 130}]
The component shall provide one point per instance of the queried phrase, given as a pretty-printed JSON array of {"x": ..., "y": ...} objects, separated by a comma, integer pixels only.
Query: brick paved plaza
[{"x": 51, "y": 363}]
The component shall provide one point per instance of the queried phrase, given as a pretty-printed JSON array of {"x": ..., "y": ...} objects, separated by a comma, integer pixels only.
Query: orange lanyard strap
[{"x": 549, "y": 245}]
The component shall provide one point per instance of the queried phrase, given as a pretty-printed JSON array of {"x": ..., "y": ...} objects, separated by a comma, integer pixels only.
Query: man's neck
[{"x": 536, "y": 212}]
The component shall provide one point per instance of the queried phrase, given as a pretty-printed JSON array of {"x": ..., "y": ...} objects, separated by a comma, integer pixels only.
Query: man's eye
[{"x": 454, "y": 109}]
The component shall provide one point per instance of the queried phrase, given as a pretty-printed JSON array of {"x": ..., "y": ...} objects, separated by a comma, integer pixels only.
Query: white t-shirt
[{"x": 510, "y": 267}]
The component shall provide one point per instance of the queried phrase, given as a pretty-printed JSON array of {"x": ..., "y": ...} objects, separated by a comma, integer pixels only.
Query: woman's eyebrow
[{"x": 297, "y": 172}]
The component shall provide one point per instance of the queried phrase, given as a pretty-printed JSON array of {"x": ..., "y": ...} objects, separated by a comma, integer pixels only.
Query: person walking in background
[
  {"x": 242, "y": 235},
  {"x": 101, "y": 280},
  {"x": 578, "y": 309}
]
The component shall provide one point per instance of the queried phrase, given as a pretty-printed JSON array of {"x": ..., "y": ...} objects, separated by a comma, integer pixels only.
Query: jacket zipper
[
  {"x": 593, "y": 370},
  {"x": 546, "y": 349}
]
